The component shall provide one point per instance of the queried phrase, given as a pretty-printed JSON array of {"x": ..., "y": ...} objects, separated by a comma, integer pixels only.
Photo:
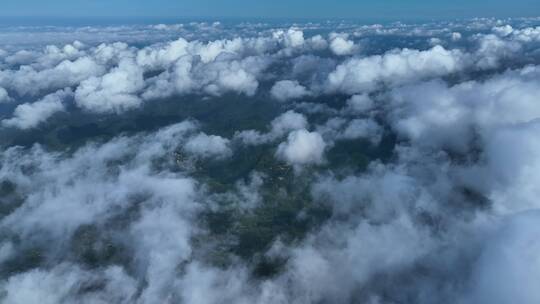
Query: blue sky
[{"x": 368, "y": 9}]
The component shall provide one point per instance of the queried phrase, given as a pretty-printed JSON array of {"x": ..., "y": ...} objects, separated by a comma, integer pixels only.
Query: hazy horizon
[{"x": 386, "y": 9}]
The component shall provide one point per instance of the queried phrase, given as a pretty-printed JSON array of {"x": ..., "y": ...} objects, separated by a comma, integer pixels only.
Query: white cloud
[
  {"x": 302, "y": 148},
  {"x": 396, "y": 67},
  {"x": 287, "y": 89},
  {"x": 4, "y": 96},
  {"x": 292, "y": 38},
  {"x": 455, "y": 36},
  {"x": 511, "y": 155},
  {"x": 64, "y": 283},
  {"x": 288, "y": 121},
  {"x": 352, "y": 256},
  {"x": 360, "y": 103},
  {"x": 435, "y": 41},
  {"x": 342, "y": 46},
  {"x": 205, "y": 146},
  {"x": 215, "y": 78},
  {"x": 31, "y": 115},
  {"x": 88, "y": 169},
  {"x": 503, "y": 30},
  {"x": 507, "y": 269},
  {"x": 115, "y": 91},
  {"x": 459, "y": 184},
  {"x": 281, "y": 125},
  {"x": 317, "y": 42},
  {"x": 363, "y": 128},
  {"x": 162, "y": 57},
  {"x": 433, "y": 114},
  {"x": 492, "y": 49},
  {"x": 527, "y": 35},
  {"x": 232, "y": 77},
  {"x": 29, "y": 81}
]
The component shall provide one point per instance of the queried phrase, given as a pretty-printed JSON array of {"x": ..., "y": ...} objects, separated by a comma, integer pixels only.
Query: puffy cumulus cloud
[
  {"x": 4, "y": 96},
  {"x": 66, "y": 283},
  {"x": 280, "y": 126},
  {"x": 527, "y": 34},
  {"x": 511, "y": 166},
  {"x": 215, "y": 78},
  {"x": 495, "y": 118},
  {"x": 492, "y": 49},
  {"x": 524, "y": 35},
  {"x": 360, "y": 103},
  {"x": 115, "y": 91},
  {"x": 31, "y": 115},
  {"x": 203, "y": 145},
  {"x": 291, "y": 38},
  {"x": 507, "y": 270},
  {"x": 287, "y": 89},
  {"x": 396, "y": 67},
  {"x": 435, "y": 41},
  {"x": 28, "y": 80},
  {"x": 111, "y": 54},
  {"x": 455, "y": 36},
  {"x": 21, "y": 57},
  {"x": 214, "y": 67},
  {"x": 317, "y": 42},
  {"x": 434, "y": 114},
  {"x": 49, "y": 57},
  {"x": 288, "y": 121},
  {"x": 436, "y": 119},
  {"x": 340, "y": 45},
  {"x": 505, "y": 43},
  {"x": 302, "y": 148},
  {"x": 293, "y": 41},
  {"x": 232, "y": 77},
  {"x": 163, "y": 55},
  {"x": 503, "y": 30}
]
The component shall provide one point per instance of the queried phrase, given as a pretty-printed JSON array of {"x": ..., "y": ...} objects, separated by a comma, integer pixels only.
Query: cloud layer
[{"x": 270, "y": 163}]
